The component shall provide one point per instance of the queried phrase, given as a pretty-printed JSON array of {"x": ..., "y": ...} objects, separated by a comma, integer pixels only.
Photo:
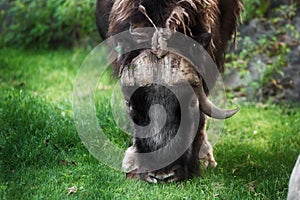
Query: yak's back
[{"x": 191, "y": 17}]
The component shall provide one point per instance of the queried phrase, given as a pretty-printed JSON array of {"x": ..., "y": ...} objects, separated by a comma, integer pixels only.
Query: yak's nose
[
  {"x": 150, "y": 105},
  {"x": 155, "y": 178}
]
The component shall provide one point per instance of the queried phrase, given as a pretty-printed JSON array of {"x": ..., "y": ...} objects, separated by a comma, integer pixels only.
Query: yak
[{"x": 211, "y": 23}]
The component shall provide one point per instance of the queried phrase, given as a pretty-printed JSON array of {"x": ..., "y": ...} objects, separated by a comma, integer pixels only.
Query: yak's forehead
[{"x": 146, "y": 69}]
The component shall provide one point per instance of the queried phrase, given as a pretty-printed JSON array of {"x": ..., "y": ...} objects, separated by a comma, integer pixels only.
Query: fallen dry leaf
[
  {"x": 251, "y": 185},
  {"x": 66, "y": 162},
  {"x": 72, "y": 190}
]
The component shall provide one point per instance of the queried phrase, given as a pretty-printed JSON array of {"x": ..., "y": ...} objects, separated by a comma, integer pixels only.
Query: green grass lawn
[{"x": 42, "y": 155}]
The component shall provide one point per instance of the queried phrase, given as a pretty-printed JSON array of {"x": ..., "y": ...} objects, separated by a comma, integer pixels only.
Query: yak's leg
[
  {"x": 204, "y": 153},
  {"x": 206, "y": 150},
  {"x": 129, "y": 164}
]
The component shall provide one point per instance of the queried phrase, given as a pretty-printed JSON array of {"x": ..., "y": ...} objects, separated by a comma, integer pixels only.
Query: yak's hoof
[
  {"x": 213, "y": 164},
  {"x": 208, "y": 163}
]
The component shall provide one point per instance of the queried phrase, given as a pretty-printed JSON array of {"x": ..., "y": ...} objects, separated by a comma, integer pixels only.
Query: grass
[{"x": 42, "y": 155}]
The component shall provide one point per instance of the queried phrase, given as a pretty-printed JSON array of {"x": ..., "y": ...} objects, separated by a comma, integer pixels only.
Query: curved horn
[{"x": 211, "y": 110}]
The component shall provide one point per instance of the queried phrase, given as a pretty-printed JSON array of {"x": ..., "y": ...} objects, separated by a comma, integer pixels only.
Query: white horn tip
[{"x": 230, "y": 113}]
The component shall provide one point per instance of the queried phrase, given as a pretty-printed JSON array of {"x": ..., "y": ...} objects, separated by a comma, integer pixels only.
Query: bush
[
  {"x": 266, "y": 8},
  {"x": 46, "y": 23},
  {"x": 255, "y": 9}
]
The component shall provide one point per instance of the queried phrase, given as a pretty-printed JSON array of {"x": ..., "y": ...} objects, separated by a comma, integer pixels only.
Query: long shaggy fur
[{"x": 191, "y": 17}]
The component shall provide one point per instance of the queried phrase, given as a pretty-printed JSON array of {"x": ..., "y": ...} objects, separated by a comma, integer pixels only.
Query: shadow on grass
[
  {"x": 33, "y": 133},
  {"x": 42, "y": 155}
]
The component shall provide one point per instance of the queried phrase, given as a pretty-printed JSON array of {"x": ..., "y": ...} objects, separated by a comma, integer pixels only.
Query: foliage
[
  {"x": 255, "y": 9},
  {"x": 264, "y": 8},
  {"x": 269, "y": 46},
  {"x": 270, "y": 43},
  {"x": 47, "y": 23},
  {"x": 65, "y": 22}
]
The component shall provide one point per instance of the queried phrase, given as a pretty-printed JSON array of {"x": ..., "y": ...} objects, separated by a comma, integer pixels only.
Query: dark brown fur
[
  {"x": 219, "y": 17},
  {"x": 191, "y": 17}
]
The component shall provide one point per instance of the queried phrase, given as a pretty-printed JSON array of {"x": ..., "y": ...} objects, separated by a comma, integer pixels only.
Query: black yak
[{"x": 212, "y": 23}]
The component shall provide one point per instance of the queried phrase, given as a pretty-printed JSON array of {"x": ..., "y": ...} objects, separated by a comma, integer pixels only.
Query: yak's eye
[
  {"x": 194, "y": 103},
  {"x": 128, "y": 105}
]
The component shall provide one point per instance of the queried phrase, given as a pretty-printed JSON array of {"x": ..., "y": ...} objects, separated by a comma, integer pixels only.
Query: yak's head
[{"x": 162, "y": 81}]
